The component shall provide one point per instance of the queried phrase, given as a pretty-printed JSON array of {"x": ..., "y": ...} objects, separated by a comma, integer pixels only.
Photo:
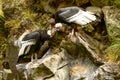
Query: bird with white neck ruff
[
  {"x": 73, "y": 15},
  {"x": 29, "y": 43}
]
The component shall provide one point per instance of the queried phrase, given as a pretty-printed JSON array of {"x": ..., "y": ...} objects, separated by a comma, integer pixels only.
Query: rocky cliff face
[{"x": 93, "y": 53}]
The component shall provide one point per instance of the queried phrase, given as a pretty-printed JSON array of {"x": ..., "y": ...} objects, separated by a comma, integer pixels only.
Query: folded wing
[{"x": 76, "y": 15}]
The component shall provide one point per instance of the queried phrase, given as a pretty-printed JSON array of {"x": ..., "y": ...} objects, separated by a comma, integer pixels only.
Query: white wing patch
[
  {"x": 89, "y": 15},
  {"x": 25, "y": 44},
  {"x": 18, "y": 42},
  {"x": 82, "y": 17}
]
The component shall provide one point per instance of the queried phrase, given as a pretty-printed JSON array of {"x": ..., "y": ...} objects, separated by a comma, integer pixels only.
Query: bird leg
[
  {"x": 71, "y": 33},
  {"x": 36, "y": 57},
  {"x": 32, "y": 58},
  {"x": 72, "y": 36}
]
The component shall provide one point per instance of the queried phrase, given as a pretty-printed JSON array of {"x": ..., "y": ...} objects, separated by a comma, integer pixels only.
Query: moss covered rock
[
  {"x": 2, "y": 20},
  {"x": 3, "y": 34},
  {"x": 102, "y": 3},
  {"x": 25, "y": 14},
  {"x": 112, "y": 21}
]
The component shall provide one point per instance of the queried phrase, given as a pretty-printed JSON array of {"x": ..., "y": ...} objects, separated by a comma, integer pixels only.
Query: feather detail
[
  {"x": 24, "y": 45},
  {"x": 82, "y": 18},
  {"x": 18, "y": 42},
  {"x": 89, "y": 15},
  {"x": 75, "y": 15}
]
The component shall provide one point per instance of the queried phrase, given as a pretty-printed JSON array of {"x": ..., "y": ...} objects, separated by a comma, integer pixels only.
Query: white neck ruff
[
  {"x": 49, "y": 32},
  {"x": 58, "y": 25}
]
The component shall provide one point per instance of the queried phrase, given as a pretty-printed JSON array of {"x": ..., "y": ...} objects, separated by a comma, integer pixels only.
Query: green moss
[
  {"x": 42, "y": 71},
  {"x": 2, "y": 20},
  {"x": 101, "y": 3},
  {"x": 113, "y": 52},
  {"x": 2, "y": 29},
  {"x": 3, "y": 47},
  {"x": 116, "y": 2},
  {"x": 73, "y": 49},
  {"x": 88, "y": 28},
  {"x": 80, "y": 2},
  {"x": 113, "y": 32},
  {"x": 56, "y": 40},
  {"x": 1, "y": 12},
  {"x": 3, "y": 34},
  {"x": 12, "y": 24}
]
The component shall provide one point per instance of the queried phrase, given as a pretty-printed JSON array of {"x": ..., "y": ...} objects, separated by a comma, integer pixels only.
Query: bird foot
[{"x": 32, "y": 64}]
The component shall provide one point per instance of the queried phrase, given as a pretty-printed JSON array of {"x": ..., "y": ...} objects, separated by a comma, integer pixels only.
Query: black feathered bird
[
  {"x": 30, "y": 42},
  {"x": 74, "y": 15}
]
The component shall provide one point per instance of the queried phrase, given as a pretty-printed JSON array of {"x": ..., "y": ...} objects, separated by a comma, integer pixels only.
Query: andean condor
[
  {"x": 30, "y": 42},
  {"x": 73, "y": 15}
]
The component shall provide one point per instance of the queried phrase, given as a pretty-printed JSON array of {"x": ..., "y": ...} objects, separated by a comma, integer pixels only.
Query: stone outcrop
[
  {"x": 111, "y": 17},
  {"x": 107, "y": 71},
  {"x": 60, "y": 66}
]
